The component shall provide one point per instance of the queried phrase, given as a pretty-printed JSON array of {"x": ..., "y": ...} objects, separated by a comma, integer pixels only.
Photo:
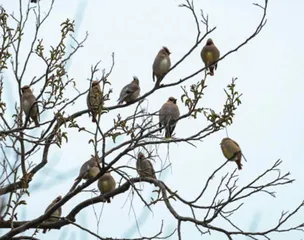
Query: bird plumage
[
  {"x": 94, "y": 100},
  {"x": 168, "y": 115},
  {"x": 106, "y": 183},
  {"x": 232, "y": 151},
  {"x": 161, "y": 64},
  {"x": 209, "y": 55},
  {"x": 144, "y": 167},
  {"x": 56, "y": 214},
  {"x": 29, "y": 105},
  {"x": 89, "y": 169},
  {"x": 130, "y": 92}
]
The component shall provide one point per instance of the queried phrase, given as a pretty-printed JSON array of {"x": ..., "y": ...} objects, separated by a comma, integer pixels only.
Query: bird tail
[
  {"x": 108, "y": 200},
  {"x": 78, "y": 178},
  {"x": 160, "y": 127},
  {"x": 169, "y": 129},
  {"x": 238, "y": 163},
  {"x": 93, "y": 118},
  {"x": 35, "y": 119},
  {"x": 211, "y": 70},
  {"x": 168, "y": 132},
  {"x": 120, "y": 100},
  {"x": 159, "y": 79}
]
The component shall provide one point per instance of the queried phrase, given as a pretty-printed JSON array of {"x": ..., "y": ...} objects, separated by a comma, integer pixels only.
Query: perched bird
[
  {"x": 94, "y": 100},
  {"x": 232, "y": 151},
  {"x": 144, "y": 167},
  {"x": 161, "y": 64},
  {"x": 130, "y": 92},
  {"x": 168, "y": 115},
  {"x": 29, "y": 105},
  {"x": 106, "y": 183},
  {"x": 209, "y": 55},
  {"x": 55, "y": 215},
  {"x": 89, "y": 169}
]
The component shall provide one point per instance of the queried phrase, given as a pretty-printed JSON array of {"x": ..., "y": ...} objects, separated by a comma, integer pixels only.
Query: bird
[
  {"x": 56, "y": 214},
  {"x": 94, "y": 100},
  {"x": 209, "y": 55},
  {"x": 106, "y": 183},
  {"x": 161, "y": 64},
  {"x": 232, "y": 151},
  {"x": 168, "y": 115},
  {"x": 144, "y": 167},
  {"x": 130, "y": 92},
  {"x": 89, "y": 169},
  {"x": 29, "y": 105}
]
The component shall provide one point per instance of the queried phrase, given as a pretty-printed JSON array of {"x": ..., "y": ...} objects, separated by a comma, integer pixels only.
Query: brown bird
[
  {"x": 232, "y": 151},
  {"x": 94, "y": 100},
  {"x": 106, "y": 183},
  {"x": 88, "y": 170},
  {"x": 130, "y": 92},
  {"x": 168, "y": 115},
  {"x": 209, "y": 55},
  {"x": 55, "y": 215},
  {"x": 29, "y": 105},
  {"x": 161, "y": 64},
  {"x": 144, "y": 167}
]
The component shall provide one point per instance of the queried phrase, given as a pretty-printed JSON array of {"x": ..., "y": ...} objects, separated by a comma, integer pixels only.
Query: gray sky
[{"x": 267, "y": 125}]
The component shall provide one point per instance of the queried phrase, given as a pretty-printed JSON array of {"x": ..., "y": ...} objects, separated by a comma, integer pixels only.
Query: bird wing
[
  {"x": 156, "y": 63},
  {"x": 150, "y": 168},
  {"x": 169, "y": 112},
  {"x": 163, "y": 113},
  {"x": 29, "y": 101},
  {"x": 235, "y": 142},
  {"x": 127, "y": 91}
]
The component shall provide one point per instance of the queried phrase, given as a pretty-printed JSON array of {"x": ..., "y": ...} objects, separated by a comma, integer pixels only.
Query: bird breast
[
  {"x": 26, "y": 106},
  {"x": 105, "y": 186},
  {"x": 57, "y": 213},
  {"x": 228, "y": 153},
  {"x": 209, "y": 56},
  {"x": 164, "y": 65},
  {"x": 168, "y": 113}
]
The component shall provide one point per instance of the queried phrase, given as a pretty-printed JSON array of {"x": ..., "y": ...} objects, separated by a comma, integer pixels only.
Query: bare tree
[{"x": 140, "y": 131}]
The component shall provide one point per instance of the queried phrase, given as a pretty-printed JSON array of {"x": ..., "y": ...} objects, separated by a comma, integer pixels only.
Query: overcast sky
[{"x": 268, "y": 125}]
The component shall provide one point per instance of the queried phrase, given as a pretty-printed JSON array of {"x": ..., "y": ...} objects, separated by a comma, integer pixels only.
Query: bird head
[
  {"x": 107, "y": 172},
  {"x": 57, "y": 199},
  {"x": 95, "y": 159},
  {"x": 25, "y": 88},
  {"x": 135, "y": 79},
  {"x": 95, "y": 82},
  {"x": 140, "y": 156},
  {"x": 166, "y": 50},
  {"x": 225, "y": 140},
  {"x": 209, "y": 42},
  {"x": 172, "y": 99}
]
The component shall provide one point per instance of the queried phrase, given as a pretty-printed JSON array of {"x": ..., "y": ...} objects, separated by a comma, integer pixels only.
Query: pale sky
[{"x": 267, "y": 124}]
